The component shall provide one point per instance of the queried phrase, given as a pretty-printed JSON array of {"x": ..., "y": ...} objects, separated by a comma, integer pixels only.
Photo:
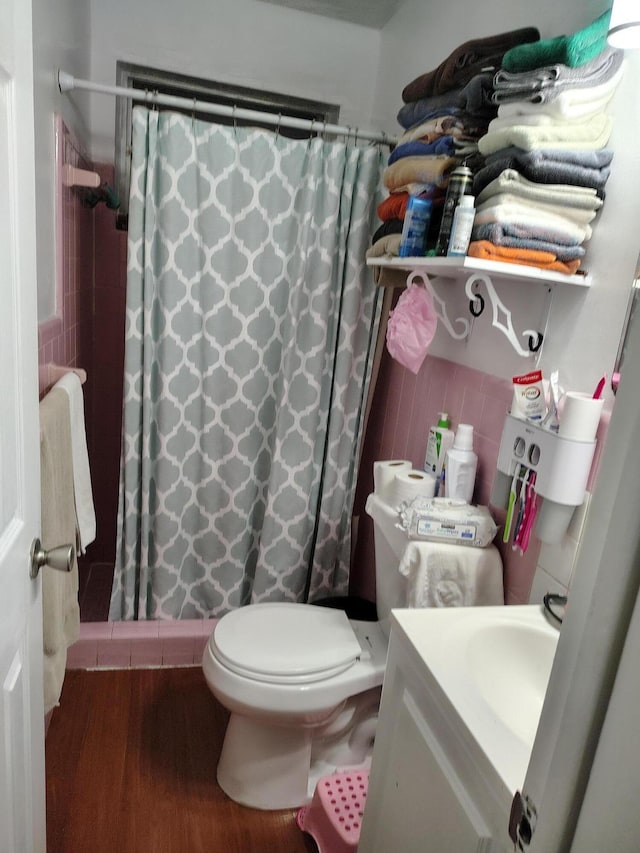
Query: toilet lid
[{"x": 284, "y": 642}]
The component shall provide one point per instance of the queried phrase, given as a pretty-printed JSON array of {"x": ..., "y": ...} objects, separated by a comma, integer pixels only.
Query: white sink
[
  {"x": 492, "y": 664},
  {"x": 510, "y": 665}
]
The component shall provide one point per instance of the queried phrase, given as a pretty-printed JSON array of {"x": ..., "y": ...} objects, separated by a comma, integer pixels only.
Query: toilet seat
[{"x": 285, "y": 643}]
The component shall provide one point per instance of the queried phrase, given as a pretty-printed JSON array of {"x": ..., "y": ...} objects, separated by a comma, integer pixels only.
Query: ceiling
[{"x": 367, "y": 13}]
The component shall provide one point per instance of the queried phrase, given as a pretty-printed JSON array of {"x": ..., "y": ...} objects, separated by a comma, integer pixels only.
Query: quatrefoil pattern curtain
[{"x": 251, "y": 325}]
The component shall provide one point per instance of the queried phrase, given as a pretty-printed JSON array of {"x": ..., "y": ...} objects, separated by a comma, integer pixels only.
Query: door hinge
[{"x": 522, "y": 821}]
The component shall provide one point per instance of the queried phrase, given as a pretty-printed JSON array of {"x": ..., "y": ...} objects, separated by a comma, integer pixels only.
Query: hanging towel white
[
  {"x": 60, "y": 609},
  {"x": 452, "y": 575},
  {"x": 85, "y": 512}
]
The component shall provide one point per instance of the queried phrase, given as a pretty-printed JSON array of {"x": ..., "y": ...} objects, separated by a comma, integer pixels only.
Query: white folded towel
[
  {"x": 85, "y": 512},
  {"x": 511, "y": 181},
  {"x": 452, "y": 575},
  {"x": 563, "y": 230},
  {"x": 577, "y": 215},
  {"x": 580, "y": 136}
]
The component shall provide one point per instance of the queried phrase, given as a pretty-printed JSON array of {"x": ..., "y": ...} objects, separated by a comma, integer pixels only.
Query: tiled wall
[
  {"x": 66, "y": 339},
  {"x": 122, "y": 645},
  {"x": 403, "y": 409}
]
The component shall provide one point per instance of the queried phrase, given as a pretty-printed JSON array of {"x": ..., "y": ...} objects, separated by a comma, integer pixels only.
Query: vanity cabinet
[{"x": 429, "y": 787}]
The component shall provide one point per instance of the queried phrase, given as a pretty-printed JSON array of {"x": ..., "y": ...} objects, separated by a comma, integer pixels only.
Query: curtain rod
[{"x": 67, "y": 83}]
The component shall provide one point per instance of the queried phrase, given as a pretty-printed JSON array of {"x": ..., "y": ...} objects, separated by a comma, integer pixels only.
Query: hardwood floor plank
[{"x": 131, "y": 759}]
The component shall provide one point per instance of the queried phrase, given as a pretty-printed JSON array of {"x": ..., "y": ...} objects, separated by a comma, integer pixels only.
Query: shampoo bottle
[
  {"x": 462, "y": 464},
  {"x": 440, "y": 440}
]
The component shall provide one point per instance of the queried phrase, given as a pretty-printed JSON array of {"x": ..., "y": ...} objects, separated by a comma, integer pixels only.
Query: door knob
[{"x": 60, "y": 558}]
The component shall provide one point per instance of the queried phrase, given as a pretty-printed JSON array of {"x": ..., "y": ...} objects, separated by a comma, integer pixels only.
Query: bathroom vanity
[{"x": 462, "y": 696}]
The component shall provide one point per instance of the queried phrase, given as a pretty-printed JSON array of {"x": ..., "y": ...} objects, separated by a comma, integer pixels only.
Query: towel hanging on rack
[{"x": 85, "y": 512}]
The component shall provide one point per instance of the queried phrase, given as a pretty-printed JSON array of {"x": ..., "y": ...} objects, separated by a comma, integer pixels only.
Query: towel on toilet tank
[{"x": 452, "y": 575}]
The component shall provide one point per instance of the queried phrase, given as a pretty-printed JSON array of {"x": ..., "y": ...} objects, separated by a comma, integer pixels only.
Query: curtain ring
[
  {"x": 233, "y": 116},
  {"x": 476, "y": 312},
  {"x": 534, "y": 345},
  {"x": 278, "y": 125}
]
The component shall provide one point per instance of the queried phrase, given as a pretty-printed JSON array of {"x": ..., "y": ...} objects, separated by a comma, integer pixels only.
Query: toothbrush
[
  {"x": 511, "y": 504},
  {"x": 599, "y": 388},
  {"x": 531, "y": 516},
  {"x": 522, "y": 506}
]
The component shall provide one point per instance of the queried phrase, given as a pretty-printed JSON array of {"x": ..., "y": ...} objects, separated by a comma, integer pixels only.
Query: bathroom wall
[
  {"x": 240, "y": 42},
  {"x": 364, "y": 71},
  {"x": 60, "y": 39},
  {"x": 66, "y": 338}
]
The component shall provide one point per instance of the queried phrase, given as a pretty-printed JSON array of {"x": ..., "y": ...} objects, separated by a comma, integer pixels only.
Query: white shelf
[{"x": 464, "y": 267}]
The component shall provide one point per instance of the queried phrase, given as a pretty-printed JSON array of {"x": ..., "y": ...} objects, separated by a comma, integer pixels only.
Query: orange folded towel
[
  {"x": 527, "y": 257},
  {"x": 394, "y": 206}
]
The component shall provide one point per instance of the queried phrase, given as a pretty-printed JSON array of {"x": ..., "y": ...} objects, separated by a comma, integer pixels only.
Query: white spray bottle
[{"x": 461, "y": 466}]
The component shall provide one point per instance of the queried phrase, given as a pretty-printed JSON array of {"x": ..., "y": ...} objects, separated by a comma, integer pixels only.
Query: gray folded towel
[
  {"x": 547, "y": 82},
  {"x": 549, "y": 166}
]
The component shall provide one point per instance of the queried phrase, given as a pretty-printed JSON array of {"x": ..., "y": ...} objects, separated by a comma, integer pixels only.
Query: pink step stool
[{"x": 334, "y": 816}]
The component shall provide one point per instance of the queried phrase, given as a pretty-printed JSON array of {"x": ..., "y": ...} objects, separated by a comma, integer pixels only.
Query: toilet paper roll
[
  {"x": 384, "y": 473},
  {"x": 408, "y": 485},
  {"x": 580, "y": 416}
]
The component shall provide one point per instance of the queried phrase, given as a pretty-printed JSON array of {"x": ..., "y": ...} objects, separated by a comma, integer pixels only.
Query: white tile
[
  {"x": 576, "y": 527},
  {"x": 558, "y": 560},
  {"x": 542, "y": 584}
]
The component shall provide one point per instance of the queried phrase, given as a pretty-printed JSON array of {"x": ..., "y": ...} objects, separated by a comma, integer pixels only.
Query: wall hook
[
  {"x": 477, "y": 301},
  {"x": 535, "y": 343}
]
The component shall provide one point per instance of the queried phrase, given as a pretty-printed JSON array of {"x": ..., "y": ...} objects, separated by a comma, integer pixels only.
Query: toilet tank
[{"x": 390, "y": 542}]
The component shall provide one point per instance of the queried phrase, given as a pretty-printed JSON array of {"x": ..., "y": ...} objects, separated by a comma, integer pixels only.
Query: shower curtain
[{"x": 251, "y": 326}]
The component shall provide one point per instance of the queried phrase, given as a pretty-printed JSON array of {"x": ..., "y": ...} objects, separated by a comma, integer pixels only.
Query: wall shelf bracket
[
  {"x": 464, "y": 326},
  {"x": 501, "y": 315}
]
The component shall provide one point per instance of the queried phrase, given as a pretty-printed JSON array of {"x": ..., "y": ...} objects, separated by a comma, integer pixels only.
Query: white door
[{"x": 22, "y": 780}]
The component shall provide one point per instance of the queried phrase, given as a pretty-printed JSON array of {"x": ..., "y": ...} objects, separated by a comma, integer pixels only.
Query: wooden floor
[{"x": 131, "y": 758}]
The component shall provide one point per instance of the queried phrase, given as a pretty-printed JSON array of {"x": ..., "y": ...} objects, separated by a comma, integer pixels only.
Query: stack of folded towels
[
  {"x": 546, "y": 160},
  {"x": 446, "y": 111}
]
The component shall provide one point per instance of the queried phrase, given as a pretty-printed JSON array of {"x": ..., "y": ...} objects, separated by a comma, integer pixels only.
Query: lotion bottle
[
  {"x": 462, "y": 226},
  {"x": 440, "y": 440},
  {"x": 461, "y": 466}
]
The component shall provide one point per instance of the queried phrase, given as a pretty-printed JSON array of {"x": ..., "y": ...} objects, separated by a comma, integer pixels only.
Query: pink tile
[
  {"x": 179, "y": 659},
  {"x": 114, "y": 653},
  {"x": 135, "y": 631},
  {"x": 198, "y": 648},
  {"x": 180, "y": 628},
  {"x": 177, "y": 647},
  {"x": 146, "y": 652},
  {"x": 492, "y": 419},
  {"x": 96, "y": 630},
  {"x": 82, "y": 655},
  {"x": 467, "y": 377},
  {"x": 472, "y": 407}
]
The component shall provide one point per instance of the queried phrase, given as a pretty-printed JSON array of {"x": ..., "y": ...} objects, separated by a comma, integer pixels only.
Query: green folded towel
[{"x": 574, "y": 50}]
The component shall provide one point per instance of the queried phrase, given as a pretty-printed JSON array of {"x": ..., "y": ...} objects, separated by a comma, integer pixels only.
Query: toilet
[{"x": 302, "y": 684}]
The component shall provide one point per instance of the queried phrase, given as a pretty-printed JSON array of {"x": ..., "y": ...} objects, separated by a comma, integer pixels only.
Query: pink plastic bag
[{"x": 411, "y": 327}]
